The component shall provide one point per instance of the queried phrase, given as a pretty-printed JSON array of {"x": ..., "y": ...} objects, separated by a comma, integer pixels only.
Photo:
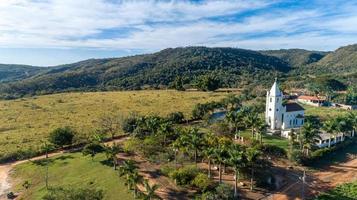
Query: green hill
[
  {"x": 17, "y": 72},
  {"x": 343, "y": 60},
  {"x": 296, "y": 57},
  {"x": 233, "y": 66}
]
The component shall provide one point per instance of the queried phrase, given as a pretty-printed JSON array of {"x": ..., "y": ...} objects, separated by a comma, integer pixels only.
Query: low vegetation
[{"x": 27, "y": 122}]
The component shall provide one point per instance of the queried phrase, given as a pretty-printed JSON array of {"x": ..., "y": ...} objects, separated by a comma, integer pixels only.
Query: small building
[
  {"x": 327, "y": 139},
  {"x": 312, "y": 100},
  {"x": 282, "y": 117}
]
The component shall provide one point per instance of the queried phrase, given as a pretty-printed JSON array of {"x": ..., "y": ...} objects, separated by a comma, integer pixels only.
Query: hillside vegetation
[
  {"x": 26, "y": 122},
  {"x": 232, "y": 68},
  {"x": 17, "y": 72}
]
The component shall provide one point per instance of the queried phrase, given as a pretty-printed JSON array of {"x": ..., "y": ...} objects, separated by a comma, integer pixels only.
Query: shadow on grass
[
  {"x": 44, "y": 161},
  {"x": 339, "y": 156}
]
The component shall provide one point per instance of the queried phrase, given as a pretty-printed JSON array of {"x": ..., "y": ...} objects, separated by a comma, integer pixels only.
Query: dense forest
[{"x": 229, "y": 67}]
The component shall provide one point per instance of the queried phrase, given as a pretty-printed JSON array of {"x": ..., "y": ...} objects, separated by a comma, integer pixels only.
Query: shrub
[
  {"x": 71, "y": 193},
  {"x": 129, "y": 124},
  {"x": 132, "y": 144},
  {"x": 176, "y": 117},
  {"x": 272, "y": 150},
  {"x": 202, "y": 182},
  {"x": 296, "y": 156},
  {"x": 166, "y": 170},
  {"x": 92, "y": 149},
  {"x": 221, "y": 192},
  {"x": 184, "y": 175},
  {"x": 62, "y": 136}
]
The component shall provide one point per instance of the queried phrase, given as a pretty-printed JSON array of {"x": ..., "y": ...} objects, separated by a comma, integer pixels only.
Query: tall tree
[
  {"x": 330, "y": 127},
  {"x": 308, "y": 134},
  {"x": 236, "y": 159},
  {"x": 252, "y": 155},
  {"x": 150, "y": 191},
  {"x": 111, "y": 152}
]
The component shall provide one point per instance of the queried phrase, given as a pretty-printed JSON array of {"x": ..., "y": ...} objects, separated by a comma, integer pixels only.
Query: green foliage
[
  {"x": 272, "y": 150},
  {"x": 62, "y": 136},
  {"x": 184, "y": 175},
  {"x": 178, "y": 83},
  {"x": 234, "y": 67},
  {"x": 92, "y": 149},
  {"x": 221, "y": 192},
  {"x": 208, "y": 82},
  {"x": 129, "y": 124},
  {"x": 176, "y": 117},
  {"x": 347, "y": 191},
  {"x": 202, "y": 182},
  {"x": 71, "y": 193}
]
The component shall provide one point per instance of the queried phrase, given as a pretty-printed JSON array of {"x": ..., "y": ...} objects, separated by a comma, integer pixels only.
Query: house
[
  {"x": 311, "y": 100},
  {"x": 327, "y": 139},
  {"x": 282, "y": 117}
]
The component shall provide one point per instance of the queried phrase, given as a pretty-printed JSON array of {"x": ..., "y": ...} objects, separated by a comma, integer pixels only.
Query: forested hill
[
  {"x": 343, "y": 60},
  {"x": 232, "y": 66},
  {"x": 296, "y": 57},
  {"x": 17, "y": 72}
]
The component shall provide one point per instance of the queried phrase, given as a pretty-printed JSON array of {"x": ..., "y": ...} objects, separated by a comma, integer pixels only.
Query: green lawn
[
  {"x": 324, "y": 112},
  {"x": 268, "y": 139},
  {"x": 71, "y": 169}
]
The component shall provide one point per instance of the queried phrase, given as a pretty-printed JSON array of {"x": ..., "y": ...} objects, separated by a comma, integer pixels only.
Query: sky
[{"x": 53, "y": 32}]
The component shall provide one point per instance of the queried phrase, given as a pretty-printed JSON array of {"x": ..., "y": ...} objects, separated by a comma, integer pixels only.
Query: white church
[{"x": 280, "y": 117}]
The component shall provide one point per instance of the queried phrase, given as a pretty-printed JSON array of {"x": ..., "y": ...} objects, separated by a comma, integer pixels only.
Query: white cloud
[{"x": 161, "y": 24}]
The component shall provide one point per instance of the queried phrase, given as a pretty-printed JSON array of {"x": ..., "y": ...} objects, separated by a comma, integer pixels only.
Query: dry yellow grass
[{"x": 25, "y": 122}]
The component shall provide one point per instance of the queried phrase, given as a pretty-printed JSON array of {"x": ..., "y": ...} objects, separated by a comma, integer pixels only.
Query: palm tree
[
  {"x": 309, "y": 133},
  {"x": 292, "y": 137},
  {"x": 252, "y": 155},
  {"x": 133, "y": 180},
  {"x": 111, "y": 153},
  {"x": 251, "y": 121},
  {"x": 46, "y": 147},
  {"x": 330, "y": 127},
  {"x": 191, "y": 140},
  {"x": 352, "y": 118},
  {"x": 127, "y": 168},
  {"x": 220, "y": 156},
  {"x": 211, "y": 142},
  {"x": 230, "y": 118},
  {"x": 261, "y": 129},
  {"x": 209, "y": 155},
  {"x": 236, "y": 159},
  {"x": 165, "y": 129},
  {"x": 150, "y": 191}
]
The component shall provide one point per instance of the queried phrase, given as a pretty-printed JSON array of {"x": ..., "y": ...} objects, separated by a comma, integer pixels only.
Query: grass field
[
  {"x": 268, "y": 139},
  {"x": 324, "y": 112},
  {"x": 25, "y": 122},
  {"x": 72, "y": 169}
]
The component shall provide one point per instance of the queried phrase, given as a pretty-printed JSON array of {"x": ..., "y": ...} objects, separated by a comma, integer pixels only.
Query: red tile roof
[{"x": 312, "y": 98}]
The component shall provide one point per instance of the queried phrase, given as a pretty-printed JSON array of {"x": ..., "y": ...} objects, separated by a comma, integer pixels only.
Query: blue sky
[{"x": 52, "y": 32}]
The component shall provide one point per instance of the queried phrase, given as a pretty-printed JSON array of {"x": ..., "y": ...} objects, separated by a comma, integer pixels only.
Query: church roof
[
  {"x": 275, "y": 91},
  {"x": 291, "y": 107}
]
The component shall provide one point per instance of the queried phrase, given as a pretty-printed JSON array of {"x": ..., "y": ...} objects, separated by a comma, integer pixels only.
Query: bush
[
  {"x": 202, "y": 182},
  {"x": 221, "y": 192},
  {"x": 132, "y": 145},
  {"x": 92, "y": 149},
  {"x": 176, "y": 117},
  {"x": 272, "y": 150},
  {"x": 129, "y": 124},
  {"x": 184, "y": 175},
  {"x": 166, "y": 170},
  {"x": 71, "y": 193},
  {"x": 62, "y": 136},
  {"x": 296, "y": 156}
]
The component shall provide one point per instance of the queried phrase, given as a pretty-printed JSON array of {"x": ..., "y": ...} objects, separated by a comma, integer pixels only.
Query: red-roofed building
[{"x": 312, "y": 100}]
